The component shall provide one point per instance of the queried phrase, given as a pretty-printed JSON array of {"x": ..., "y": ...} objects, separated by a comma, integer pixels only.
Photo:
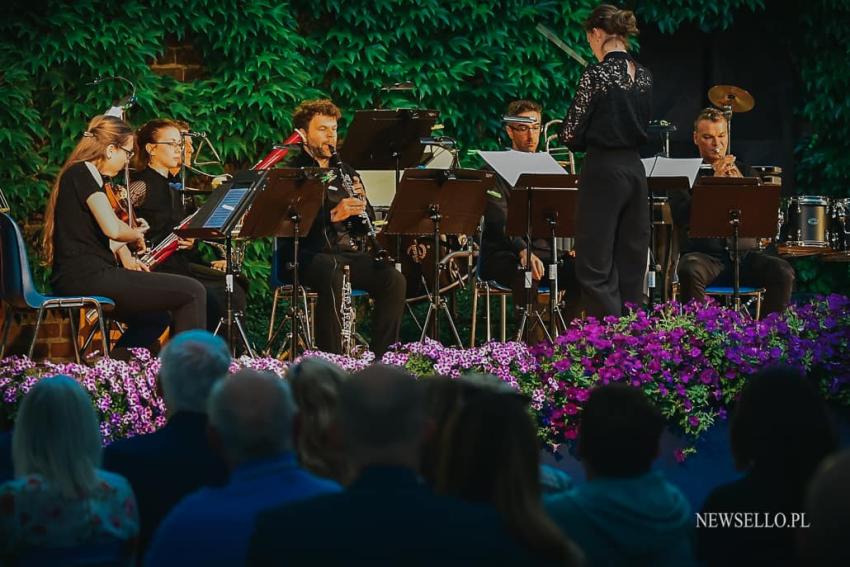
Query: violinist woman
[
  {"x": 80, "y": 223},
  {"x": 158, "y": 146}
]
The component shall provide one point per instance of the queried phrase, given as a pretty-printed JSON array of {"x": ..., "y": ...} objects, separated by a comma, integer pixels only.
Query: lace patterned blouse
[{"x": 610, "y": 110}]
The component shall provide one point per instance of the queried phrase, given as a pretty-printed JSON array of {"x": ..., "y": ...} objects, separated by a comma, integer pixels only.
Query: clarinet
[
  {"x": 381, "y": 255},
  {"x": 347, "y": 313}
]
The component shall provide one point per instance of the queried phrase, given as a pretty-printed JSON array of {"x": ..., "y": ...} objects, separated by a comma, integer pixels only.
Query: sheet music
[
  {"x": 510, "y": 164},
  {"x": 660, "y": 166}
]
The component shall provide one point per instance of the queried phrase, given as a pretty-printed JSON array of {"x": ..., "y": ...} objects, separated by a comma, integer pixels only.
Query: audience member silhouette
[
  {"x": 625, "y": 514},
  {"x": 779, "y": 431},
  {"x": 823, "y": 542},
  {"x": 386, "y": 515},
  {"x": 491, "y": 455},
  {"x": 315, "y": 386},
  {"x": 166, "y": 465},
  {"x": 60, "y": 501},
  {"x": 251, "y": 417}
]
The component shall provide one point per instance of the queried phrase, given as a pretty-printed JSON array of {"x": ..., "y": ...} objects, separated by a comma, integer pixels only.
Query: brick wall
[
  {"x": 180, "y": 60},
  {"x": 54, "y": 336}
]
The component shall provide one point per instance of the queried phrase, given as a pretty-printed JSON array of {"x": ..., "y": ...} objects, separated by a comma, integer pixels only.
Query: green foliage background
[{"x": 467, "y": 58}]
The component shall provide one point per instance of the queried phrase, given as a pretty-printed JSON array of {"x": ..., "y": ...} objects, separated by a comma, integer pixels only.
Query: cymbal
[{"x": 729, "y": 95}]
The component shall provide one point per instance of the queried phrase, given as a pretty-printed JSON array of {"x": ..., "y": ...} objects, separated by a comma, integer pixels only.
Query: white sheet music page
[
  {"x": 510, "y": 164},
  {"x": 660, "y": 166}
]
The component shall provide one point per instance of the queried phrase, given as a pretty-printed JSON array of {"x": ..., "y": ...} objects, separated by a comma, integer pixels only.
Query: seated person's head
[
  {"x": 381, "y": 416},
  {"x": 711, "y": 134},
  {"x": 57, "y": 435},
  {"x": 619, "y": 432},
  {"x": 524, "y": 137},
  {"x": 315, "y": 384},
  {"x": 824, "y": 543},
  {"x": 190, "y": 364},
  {"x": 780, "y": 420},
  {"x": 251, "y": 415}
]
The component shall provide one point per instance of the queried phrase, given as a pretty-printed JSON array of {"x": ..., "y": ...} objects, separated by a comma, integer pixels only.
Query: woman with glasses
[
  {"x": 159, "y": 153},
  {"x": 608, "y": 119},
  {"x": 83, "y": 236}
]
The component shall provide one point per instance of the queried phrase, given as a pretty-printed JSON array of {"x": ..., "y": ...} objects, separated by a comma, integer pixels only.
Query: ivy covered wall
[{"x": 261, "y": 57}]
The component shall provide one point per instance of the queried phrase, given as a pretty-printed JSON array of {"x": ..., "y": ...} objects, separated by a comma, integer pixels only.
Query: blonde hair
[
  {"x": 102, "y": 132},
  {"x": 315, "y": 386},
  {"x": 57, "y": 435}
]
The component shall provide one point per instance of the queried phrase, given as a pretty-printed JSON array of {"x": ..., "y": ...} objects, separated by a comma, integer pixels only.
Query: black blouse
[
  {"x": 80, "y": 249},
  {"x": 610, "y": 110}
]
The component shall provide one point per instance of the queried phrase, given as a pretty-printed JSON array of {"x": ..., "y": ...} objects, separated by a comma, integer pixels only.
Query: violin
[{"x": 122, "y": 203}]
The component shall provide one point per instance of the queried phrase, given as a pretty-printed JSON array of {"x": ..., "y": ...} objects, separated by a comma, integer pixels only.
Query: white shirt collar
[{"x": 94, "y": 173}]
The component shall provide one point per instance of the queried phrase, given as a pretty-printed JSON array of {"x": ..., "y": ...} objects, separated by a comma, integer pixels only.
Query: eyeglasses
[
  {"x": 523, "y": 128},
  {"x": 171, "y": 144},
  {"x": 130, "y": 153}
]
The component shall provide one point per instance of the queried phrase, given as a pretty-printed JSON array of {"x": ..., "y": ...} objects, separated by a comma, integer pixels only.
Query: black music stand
[
  {"x": 387, "y": 139},
  {"x": 661, "y": 187},
  {"x": 286, "y": 208},
  {"x": 435, "y": 202},
  {"x": 542, "y": 205},
  {"x": 724, "y": 207},
  {"x": 217, "y": 219}
]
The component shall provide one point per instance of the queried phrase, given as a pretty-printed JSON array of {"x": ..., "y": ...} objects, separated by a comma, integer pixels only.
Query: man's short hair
[
  {"x": 711, "y": 114},
  {"x": 190, "y": 364},
  {"x": 253, "y": 413},
  {"x": 619, "y": 432},
  {"x": 519, "y": 106},
  {"x": 305, "y": 112}
]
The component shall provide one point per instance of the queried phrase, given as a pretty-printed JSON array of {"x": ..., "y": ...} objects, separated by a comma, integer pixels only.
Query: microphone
[
  {"x": 440, "y": 141},
  {"x": 192, "y": 134},
  {"x": 518, "y": 120}
]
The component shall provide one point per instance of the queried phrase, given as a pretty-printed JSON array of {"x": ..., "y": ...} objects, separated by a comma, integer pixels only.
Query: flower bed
[{"x": 691, "y": 360}]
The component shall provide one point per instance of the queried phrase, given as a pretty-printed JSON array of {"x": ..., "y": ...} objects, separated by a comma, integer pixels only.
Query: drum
[
  {"x": 839, "y": 231},
  {"x": 417, "y": 264},
  {"x": 803, "y": 226}
]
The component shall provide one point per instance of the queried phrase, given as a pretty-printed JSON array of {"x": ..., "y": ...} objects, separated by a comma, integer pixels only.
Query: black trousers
[
  {"x": 503, "y": 267},
  {"x": 698, "y": 271},
  {"x": 214, "y": 282},
  {"x": 385, "y": 285},
  {"x": 612, "y": 230},
  {"x": 142, "y": 301}
]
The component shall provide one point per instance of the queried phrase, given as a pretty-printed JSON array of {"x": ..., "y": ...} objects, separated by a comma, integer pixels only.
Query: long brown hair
[
  {"x": 147, "y": 135},
  {"x": 491, "y": 455},
  {"x": 102, "y": 132}
]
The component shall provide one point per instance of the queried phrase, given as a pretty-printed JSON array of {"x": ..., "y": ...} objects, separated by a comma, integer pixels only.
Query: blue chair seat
[
  {"x": 19, "y": 291},
  {"x": 729, "y": 290}
]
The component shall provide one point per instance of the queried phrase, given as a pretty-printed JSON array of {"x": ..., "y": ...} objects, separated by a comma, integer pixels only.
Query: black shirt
[
  {"x": 324, "y": 235},
  {"x": 162, "y": 207},
  {"x": 609, "y": 110},
  {"x": 80, "y": 248},
  {"x": 493, "y": 237}
]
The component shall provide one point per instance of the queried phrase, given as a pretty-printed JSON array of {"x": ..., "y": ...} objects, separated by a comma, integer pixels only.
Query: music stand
[
  {"x": 542, "y": 205},
  {"x": 387, "y": 139},
  {"x": 435, "y": 202},
  {"x": 286, "y": 208},
  {"x": 661, "y": 186},
  {"x": 724, "y": 207},
  {"x": 217, "y": 219}
]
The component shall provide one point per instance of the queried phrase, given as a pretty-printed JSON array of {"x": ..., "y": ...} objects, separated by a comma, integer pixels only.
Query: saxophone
[{"x": 347, "y": 313}]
